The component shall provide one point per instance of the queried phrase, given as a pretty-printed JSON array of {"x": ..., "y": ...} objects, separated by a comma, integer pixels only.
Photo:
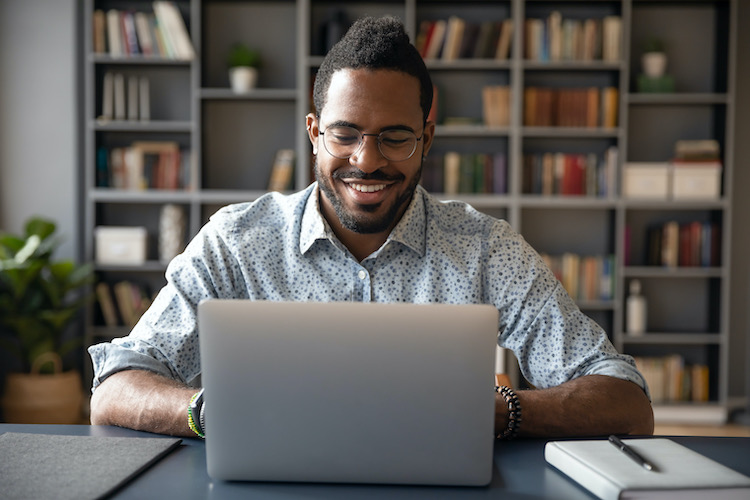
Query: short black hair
[{"x": 374, "y": 43}]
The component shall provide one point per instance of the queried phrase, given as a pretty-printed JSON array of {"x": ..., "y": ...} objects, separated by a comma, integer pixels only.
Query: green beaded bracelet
[{"x": 194, "y": 422}]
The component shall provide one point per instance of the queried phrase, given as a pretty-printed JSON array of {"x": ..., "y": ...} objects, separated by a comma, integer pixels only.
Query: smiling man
[
  {"x": 366, "y": 231},
  {"x": 374, "y": 136}
]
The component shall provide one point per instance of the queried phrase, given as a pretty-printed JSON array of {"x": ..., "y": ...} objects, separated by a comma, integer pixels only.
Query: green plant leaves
[{"x": 39, "y": 297}]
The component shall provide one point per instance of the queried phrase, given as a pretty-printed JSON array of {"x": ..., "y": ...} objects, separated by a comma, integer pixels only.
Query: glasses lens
[
  {"x": 342, "y": 142},
  {"x": 397, "y": 145}
]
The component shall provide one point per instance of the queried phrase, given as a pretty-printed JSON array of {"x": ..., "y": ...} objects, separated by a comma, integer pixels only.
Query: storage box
[
  {"x": 642, "y": 180},
  {"x": 120, "y": 245},
  {"x": 696, "y": 181}
]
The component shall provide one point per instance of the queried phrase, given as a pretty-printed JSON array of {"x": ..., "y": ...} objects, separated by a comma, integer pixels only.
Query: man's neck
[{"x": 359, "y": 244}]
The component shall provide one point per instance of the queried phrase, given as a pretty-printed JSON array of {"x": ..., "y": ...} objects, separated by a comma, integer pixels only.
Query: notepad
[
  {"x": 73, "y": 467},
  {"x": 682, "y": 474}
]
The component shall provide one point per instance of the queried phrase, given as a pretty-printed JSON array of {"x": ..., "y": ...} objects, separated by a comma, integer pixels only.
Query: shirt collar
[{"x": 410, "y": 230}]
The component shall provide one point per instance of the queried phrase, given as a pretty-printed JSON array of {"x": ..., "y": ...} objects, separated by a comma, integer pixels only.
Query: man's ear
[
  {"x": 428, "y": 135},
  {"x": 312, "y": 131}
]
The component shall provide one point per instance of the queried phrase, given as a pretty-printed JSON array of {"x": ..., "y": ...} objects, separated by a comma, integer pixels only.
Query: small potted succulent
[
  {"x": 654, "y": 59},
  {"x": 243, "y": 65}
]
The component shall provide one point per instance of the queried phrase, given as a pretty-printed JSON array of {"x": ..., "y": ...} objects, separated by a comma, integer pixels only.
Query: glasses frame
[{"x": 361, "y": 142}]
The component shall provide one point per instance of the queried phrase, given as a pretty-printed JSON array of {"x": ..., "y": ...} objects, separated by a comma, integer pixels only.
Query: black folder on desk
[{"x": 73, "y": 467}]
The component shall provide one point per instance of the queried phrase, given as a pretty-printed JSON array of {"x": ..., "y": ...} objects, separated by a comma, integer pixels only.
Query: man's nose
[{"x": 368, "y": 158}]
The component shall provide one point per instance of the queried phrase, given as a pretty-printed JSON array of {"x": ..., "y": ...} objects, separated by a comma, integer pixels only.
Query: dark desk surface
[{"x": 520, "y": 472}]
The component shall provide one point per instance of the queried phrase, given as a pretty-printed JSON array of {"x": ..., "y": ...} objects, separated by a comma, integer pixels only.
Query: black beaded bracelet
[{"x": 514, "y": 412}]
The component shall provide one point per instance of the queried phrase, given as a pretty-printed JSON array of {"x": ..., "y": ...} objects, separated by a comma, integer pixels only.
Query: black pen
[{"x": 630, "y": 452}]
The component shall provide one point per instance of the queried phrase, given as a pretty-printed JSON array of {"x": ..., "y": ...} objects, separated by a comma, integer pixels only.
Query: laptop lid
[{"x": 348, "y": 392}]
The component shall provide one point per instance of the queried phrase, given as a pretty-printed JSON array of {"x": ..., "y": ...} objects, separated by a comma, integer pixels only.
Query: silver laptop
[{"x": 348, "y": 392}]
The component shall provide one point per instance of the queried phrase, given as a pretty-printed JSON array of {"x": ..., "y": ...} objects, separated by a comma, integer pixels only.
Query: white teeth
[{"x": 368, "y": 188}]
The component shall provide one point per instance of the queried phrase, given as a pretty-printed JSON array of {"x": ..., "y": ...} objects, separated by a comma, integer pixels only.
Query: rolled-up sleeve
[{"x": 553, "y": 340}]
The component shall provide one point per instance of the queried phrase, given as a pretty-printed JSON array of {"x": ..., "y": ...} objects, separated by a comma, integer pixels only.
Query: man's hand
[
  {"x": 593, "y": 405},
  {"x": 143, "y": 401}
]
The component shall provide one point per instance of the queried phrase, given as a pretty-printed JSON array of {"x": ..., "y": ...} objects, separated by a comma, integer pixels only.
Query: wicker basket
[{"x": 31, "y": 398}]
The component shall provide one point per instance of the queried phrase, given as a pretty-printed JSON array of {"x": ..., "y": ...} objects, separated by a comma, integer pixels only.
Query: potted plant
[
  {"x": 654, "y": 59},
  {"x": 243, "y": 65},
  {"x": 39, "y": 299}
]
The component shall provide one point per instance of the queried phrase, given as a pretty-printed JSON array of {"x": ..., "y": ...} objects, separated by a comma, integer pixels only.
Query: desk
[{"x": 520, "y": 472}]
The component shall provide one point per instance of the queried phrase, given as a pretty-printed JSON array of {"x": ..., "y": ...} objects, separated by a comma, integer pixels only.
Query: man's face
[{"x": 368, "y": 193}]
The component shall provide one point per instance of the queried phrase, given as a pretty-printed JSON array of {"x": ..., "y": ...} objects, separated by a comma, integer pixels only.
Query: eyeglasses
[{"x": 395, "y": 145}]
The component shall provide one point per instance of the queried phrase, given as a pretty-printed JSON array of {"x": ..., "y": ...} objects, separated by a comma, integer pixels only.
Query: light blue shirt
[{"x": 280, "y": 248}]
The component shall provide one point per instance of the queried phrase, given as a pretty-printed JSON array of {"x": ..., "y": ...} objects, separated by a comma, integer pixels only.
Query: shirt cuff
[{"x": 109, "y": 358}]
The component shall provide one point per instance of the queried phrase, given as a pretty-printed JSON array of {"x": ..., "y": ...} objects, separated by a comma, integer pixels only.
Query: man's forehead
[{"x": 378, "y": 90}]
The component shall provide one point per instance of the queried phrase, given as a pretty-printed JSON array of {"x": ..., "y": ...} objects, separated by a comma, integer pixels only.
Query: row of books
[
  {"x": 144, "y": 165},
  {"x": 122, "y": 303},
  {"x": 455, "y": 38},
  {"x": 570, "y": 107},
  {"x": 454, "y": 173},
  {"x": 586, "y": 174},
  {"x": 119, "y": 103},
  {"x": 585, "y": 278},
  {"x": 692, "y": 244},
  {"x": 160, "y": 33},
  {"x": 562, "y": 39},
  {"x": 671, "y": 380}
]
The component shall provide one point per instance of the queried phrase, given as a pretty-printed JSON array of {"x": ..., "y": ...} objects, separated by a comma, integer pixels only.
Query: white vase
[
  {"x": 172, "y": 227},
  {"x": 654, "y": 64},
  {"x": 243, "y": 78}
]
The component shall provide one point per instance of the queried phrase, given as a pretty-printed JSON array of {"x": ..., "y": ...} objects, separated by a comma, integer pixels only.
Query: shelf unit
[{"x": 233, "y": 139}]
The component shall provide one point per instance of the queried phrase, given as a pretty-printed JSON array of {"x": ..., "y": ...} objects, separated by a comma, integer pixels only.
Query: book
[
  {"x": 99, "y": 31},
  {"x": 453, "y": 37},
  {"x": 114, "y": 37},
  {"x": 119, "y": 93},
  {"x": 129, "y": 34},
  {"x": 502, "y": 52},
  {"x": 282, "y": 171},
  {"x": 107, "y": 305},
  {"x": 452, "y": 172},
  {"x": 610, "y": 474},
  {"x": 143, "y": 33},
  {"x": 496, "y": 105},
  {"x": 175, "y": 31},
  {"x": 108, "y": 97},
  {"x": 436, "y": 39},
  {"x": 144, "y": 99},
  {"x": 611, "y": 38},
  {"x": 132, "y": 100}
]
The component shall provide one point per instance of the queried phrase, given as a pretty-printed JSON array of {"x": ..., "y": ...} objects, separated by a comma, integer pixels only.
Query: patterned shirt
[{"x": 281, "y": 248}]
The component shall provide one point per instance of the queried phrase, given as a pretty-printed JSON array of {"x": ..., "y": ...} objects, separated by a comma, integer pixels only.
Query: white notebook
[{"x": 680, "y": 473}]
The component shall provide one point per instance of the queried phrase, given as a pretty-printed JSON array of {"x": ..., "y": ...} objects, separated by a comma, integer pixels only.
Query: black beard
[{"x": 359, "y": 224}]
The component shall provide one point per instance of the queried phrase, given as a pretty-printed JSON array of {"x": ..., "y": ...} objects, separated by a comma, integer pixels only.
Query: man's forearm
[
  {"x": 144, "y": 401},
  {"x": 593, "y": 405}
]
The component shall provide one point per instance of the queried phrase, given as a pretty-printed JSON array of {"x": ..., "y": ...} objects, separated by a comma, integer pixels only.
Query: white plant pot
[
  {"x": 243, "y": 79},
  {"x": 654, "y": 64}
]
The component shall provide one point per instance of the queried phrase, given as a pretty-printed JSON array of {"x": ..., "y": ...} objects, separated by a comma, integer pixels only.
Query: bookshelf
[{"x": 232, "y": 140}]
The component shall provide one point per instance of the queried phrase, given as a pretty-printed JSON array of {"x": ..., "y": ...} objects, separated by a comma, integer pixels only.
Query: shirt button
[{"x": 362, "y": 274}]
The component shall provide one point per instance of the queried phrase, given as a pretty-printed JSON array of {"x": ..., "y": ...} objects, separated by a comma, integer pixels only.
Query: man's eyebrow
[{"x": 344, "y": 123}]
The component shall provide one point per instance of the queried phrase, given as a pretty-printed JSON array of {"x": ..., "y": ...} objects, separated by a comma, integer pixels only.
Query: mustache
[{"x": 373, "y": 176}]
